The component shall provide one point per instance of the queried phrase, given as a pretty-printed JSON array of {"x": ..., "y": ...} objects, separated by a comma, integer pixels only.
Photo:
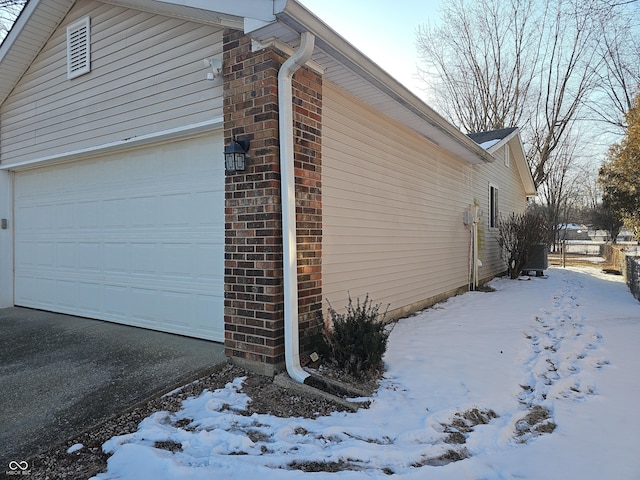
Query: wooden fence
[{"x": 626, "y": 260}]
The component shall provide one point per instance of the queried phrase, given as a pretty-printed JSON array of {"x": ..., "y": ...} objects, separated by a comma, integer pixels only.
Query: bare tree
[
  {"x": 12, "y": 3},
  {"x": 589, "y": 193},
  {"x": 560, "y": 191},
  {"x": 493, "y": 64},
  {"x": 568, "y": 62},
  {"x": 481, "y": 62},
  {"x": 9, "y": 10},
  {"x": 620, "y": 76}
]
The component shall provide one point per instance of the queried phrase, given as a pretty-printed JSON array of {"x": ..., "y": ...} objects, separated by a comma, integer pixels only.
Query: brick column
[
  {"x": 254, "y": 294},
  {"x": 307, "y": 119}
]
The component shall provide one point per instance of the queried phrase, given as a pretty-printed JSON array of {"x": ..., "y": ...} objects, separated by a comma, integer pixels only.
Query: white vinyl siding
[
  {"x": 79, "y": 48},
  {"x": 147, "y": 76},
  {"x": 511, "y": 197},
  {"x": 392, "y": 209}
]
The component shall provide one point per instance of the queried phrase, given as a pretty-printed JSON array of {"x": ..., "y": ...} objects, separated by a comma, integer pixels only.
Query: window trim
[
  {"x": 79, "y": 48},
  {"x": 494, "y": 206}
]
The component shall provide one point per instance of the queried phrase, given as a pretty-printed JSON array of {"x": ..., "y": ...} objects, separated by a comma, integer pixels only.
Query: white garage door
[{"x": 135, "y": 237}]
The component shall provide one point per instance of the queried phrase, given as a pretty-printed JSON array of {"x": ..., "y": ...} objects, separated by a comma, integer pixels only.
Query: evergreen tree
[{"x": 620, "y": 174}]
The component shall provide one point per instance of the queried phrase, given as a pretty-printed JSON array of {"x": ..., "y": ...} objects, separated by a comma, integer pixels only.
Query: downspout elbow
[{"x": 287, "y": 182}]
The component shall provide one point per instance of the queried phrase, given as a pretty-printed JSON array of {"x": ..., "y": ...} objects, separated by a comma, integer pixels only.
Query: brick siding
[{"x": 254, "y": 298}]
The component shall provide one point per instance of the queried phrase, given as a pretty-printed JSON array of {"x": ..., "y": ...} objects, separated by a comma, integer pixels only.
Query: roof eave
[
  {"x": 530, "y": 188},
  {"x": 426, "y": 121},
  {"x": 40, "y": 18},
  {"x": 522, "y": 164},
  {"x": 256, "y": 9},
  {"x": 520, "y": 160},
  {"x": 298, "y": 18},
  {"x": 495, "y": 147},
  {"x": 18, "y": 53}
]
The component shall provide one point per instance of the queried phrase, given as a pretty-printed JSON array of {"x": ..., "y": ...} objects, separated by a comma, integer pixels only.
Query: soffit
[
  {"x": 352, "y": 71},
  {"x": 344, "y": 65},
  {"x": 31, "y": 30},
  {"x": 40, "y": 18},
  {"x": 182, "y": 10}
]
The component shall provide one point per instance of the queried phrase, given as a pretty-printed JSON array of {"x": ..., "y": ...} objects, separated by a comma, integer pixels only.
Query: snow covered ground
[{"x": 538, "y": 380}]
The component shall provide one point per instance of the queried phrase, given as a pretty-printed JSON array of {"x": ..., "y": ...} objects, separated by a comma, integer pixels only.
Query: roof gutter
[
  {"x": 288, "y": 195},
  {"x": 297, "y": 17}
]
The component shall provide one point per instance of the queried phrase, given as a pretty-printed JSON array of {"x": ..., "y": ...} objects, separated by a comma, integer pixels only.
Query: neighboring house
[
  {"x": 114, "y": 116},
  {"x": 572, "y": 231},
  {"x": 625, "y": 235}
]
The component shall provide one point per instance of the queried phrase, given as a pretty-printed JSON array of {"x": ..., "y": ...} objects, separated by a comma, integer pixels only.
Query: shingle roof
[{"x": 484, "y": 137}]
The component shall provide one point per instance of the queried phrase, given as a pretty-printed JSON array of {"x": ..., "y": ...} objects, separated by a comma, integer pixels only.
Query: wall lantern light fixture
[{"x": 235, "y": 155}]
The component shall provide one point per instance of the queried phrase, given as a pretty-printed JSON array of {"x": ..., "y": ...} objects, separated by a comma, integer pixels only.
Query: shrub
[
  {"x": 356, "y": 341},
  {"x": 518, "y": 233}
]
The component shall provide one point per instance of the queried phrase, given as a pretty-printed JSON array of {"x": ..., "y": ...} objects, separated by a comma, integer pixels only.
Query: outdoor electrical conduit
[{"x": 288, "y": 195}]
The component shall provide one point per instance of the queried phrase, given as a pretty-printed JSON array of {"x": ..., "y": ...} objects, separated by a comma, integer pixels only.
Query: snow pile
[
  {"x": 535, "y": 380},
  {"x": 75, "y": 448}
]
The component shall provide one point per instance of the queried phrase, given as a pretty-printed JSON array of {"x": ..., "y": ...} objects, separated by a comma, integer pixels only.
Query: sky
[
  {"x": 384, "y": 32},
  {"x": 535, "y": 379}
]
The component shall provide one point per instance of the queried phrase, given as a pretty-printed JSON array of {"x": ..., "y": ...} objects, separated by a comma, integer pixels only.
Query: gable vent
[{"x": 78, "y": 48}]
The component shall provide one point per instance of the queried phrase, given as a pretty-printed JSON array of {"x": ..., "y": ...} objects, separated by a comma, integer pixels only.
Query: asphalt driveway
[{"x": 61, "y": 375}]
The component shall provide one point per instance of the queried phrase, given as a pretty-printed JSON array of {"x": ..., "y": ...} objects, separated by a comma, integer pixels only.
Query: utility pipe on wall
[
  {"x": 288, "y": 196},
  {"x": 474, "y": 230}
]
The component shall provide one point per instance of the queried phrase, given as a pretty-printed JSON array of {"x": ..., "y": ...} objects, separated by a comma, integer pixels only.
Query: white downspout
[
  {"x": 475, "y": 249},
  {"x": 288, "y": 195}
]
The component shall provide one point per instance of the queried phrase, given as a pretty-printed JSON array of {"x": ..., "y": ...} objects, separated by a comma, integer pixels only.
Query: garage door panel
[
  {"x": 176, "y": 308},
  {"x": 112, "y": 212},
  {"x": 178, "y": 261},
  {"x": 66, "y": 256},
  {"x": 116, "y": 303},
  {"x": 65, "y": 216},
  {"x": 141, "y": 169},
  {"x": 45, "y": 256},
  {"x": 144, "y": 259},
  {"x": 208, "y": 262},
  {"x": 87, "y": 218},
  {"x": 203, "y": 306},
  {"x": 176, "y": 210},
  {"x": 66, "y": 293},
  {"x": 27, "y": 255},
  {"x": 90, "y": 257},
  {"x": 142, "y": 212},
  {"x": 30, "y": 284},
  {"x": 91, "y": 298},
  {"x": 135, "y": 238},
  {"x": 41, "y": 215},
  {"x": 116, "y": 258},
  {"x": 144, "y": 302}
]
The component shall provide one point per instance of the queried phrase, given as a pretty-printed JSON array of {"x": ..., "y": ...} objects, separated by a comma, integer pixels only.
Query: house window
[
  {"x": 506, "y": 155},
  {"x": 79, "y": 48},
  {"x": 494, "y": 211}
]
